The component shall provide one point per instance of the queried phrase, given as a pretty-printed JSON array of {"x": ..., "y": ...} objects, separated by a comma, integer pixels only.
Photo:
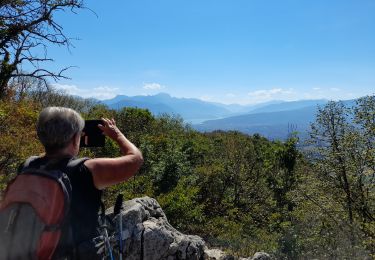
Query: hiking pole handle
[{"x": 118, "y": 204}]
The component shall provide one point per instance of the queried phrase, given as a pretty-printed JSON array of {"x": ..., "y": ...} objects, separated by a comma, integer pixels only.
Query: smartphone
[{"x": 92, "y": 136}]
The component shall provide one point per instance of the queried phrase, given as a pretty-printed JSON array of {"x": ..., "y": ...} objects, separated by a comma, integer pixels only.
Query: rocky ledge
[{"x": 148, "y": 235}]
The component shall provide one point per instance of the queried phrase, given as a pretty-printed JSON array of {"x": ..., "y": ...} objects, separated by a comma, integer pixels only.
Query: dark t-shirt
[{"x": 86, "y": 199}]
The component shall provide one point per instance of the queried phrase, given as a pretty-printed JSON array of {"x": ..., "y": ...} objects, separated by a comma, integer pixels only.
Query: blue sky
[{"x": 230, "y": 51}]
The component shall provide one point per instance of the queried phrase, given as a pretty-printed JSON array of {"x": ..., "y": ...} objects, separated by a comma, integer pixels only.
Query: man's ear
[{"x": 77, "y": 139}]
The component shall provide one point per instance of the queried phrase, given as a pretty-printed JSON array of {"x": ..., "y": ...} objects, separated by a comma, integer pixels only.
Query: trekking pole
[
  {"x": 120, "y": 234},
  {"x": 117, "y": 211},
  {"x": 106, "y": 241},
  {"x": 105, "y": 232}
]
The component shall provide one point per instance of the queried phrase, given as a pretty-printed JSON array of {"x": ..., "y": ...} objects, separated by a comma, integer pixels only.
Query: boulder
[
  {"x": 147, "y": 233},
  {"x": 213, "y": 254},
  {"x": 217, "y": 254},
  {"x": 261, "y": 256}
]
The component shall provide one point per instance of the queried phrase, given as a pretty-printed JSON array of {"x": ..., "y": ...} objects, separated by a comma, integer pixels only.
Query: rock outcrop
[
  {"x": 148, "y": 235},
  {"x": 216, "y": 254}
]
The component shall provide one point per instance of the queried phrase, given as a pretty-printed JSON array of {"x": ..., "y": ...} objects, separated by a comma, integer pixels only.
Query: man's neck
[{"x": 60, "y": 154}]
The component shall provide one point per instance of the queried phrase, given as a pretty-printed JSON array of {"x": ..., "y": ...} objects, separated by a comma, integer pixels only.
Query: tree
[
  {"x": 18, "y": 138},
  {"x": 364, "y": 117},
  {"x": 134, "y": 122},
  {"x": 282, "y": 181},
  {"x": 329, "y": 133},
  {"x": 27, "y": 27},
  {"x": 344, "y": 160},
  {"x": 21, "y": 87}
]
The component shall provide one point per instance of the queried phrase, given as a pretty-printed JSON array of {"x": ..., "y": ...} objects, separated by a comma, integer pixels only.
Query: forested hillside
[
  {"x": 239, "y": 192},
  {"x": 242, "y": 193}
]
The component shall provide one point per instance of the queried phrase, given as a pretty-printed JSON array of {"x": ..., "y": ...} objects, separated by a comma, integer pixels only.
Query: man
[{"x": 59, "y": 129}]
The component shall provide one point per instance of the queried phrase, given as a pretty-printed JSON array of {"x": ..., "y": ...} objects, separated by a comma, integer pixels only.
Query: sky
[{"x": 228, "y": 51}]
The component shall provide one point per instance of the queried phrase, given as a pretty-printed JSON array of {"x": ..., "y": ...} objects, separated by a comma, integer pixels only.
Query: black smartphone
[{"x": 92, "y": 136}]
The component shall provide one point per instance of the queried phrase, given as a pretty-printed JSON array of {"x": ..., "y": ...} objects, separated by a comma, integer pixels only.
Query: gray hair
[{"x": 56, "y": 127}]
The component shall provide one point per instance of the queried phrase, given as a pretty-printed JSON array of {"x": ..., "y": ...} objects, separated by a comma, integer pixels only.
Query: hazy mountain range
[
  {"x": 274, "y": 120},
  {"x": 190, "y": 109}
]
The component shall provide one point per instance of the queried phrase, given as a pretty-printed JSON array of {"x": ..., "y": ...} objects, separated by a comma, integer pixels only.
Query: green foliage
[
  {"x": 239, "y": 192},
  {"x": 181, "y": 205},
  {"x": 18, "y": 138},
  {"x": 99, "y": 111},
  {"x": 344, "y": 164}
]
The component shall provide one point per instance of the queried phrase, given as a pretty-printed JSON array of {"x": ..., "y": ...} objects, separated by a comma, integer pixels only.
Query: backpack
[{"x": 34, "y": 210}]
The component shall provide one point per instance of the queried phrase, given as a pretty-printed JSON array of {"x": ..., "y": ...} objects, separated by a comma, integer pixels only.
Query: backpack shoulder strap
[
  {"x": 29, "y": 160},
  {"x": 73, "y": 163},
  {"x": 26, "y": 164}
]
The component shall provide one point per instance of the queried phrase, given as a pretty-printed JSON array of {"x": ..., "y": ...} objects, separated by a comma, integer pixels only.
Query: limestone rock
[
  {"x": 213, "y": 254},
  {"x": 147, "y": 234},
  {"x": 261, "y": 256}
]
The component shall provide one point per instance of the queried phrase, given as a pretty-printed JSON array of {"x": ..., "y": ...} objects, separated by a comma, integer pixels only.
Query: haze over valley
[{"x": 273, "y": 119}]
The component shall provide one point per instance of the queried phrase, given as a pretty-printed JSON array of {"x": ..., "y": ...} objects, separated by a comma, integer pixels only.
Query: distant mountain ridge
[
  {"x": 273, "y": 119},
  {"x": 273, "y": 125},
  {"x": 196, "y": 109},
  {"x": 190, "y": 109},
  {"x": 290, "y": 105}
]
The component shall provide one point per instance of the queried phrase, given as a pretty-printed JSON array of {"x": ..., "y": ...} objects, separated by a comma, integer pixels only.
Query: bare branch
[{"x": 25, "y": 28}]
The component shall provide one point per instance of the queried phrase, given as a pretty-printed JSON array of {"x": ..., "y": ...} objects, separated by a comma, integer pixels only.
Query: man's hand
[
  {"x": 110, "y": 171},
  {"x": 110, "y": 129}
]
